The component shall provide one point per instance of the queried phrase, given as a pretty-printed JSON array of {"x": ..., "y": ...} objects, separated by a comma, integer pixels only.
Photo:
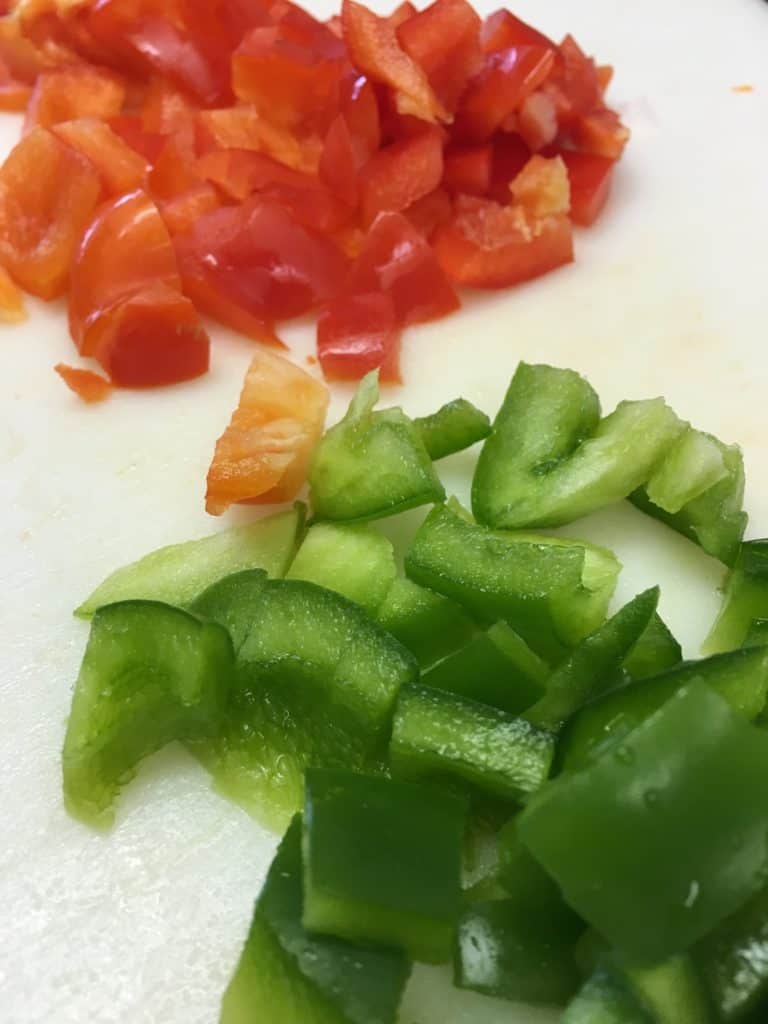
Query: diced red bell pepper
[
  {"x": 12, "y": 309},
  {"x": 130, "y": 129},
  {"x": 338, "y": 165},
  {"x": 181, "y": 212},
  {"x": 430, "y": 211},
  {"x": 165, "y": 108},
  {"x": 468, "y": 169},
  {"x": 487, "y": 245},
  {"x": 374, "y": 50},
  {"x": 72, "y": 92},
  {"x": 242, "y": 128},
  {"x": 173, "y": 172},
  {"x": 502, "y": 30},
  {"x": 575, "y": 84},
  {"x": 397, "y": 260},
  {"x": 507, "y": 78},
  {"x": 537, "y": 120},
  {"x": 542, "y": 187},
  {"x": 510, "y": 155},
  {"x": 360, "y": 108},
  {"x": 89, "y": 386},
  {"x": 19, "y": 54},
  {"x": 401, "y": 173},
  {"x": 600, "y": 132},
  {"x": 401, "y": 13},
  {"x": 121, "y": 168},
  {"x": 48, "y": 193},
  {"x": 591, "y": 178},
  {"x": 444, "y": 40},
  {"x": 14, "y": 94},
  {"x": 359, "y": 333}
]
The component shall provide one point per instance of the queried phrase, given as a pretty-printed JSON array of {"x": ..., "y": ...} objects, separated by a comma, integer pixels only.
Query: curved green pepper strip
[
  {"x": 428, "y": 624},
  {"x": 150, "y": 674},
  {"x": 455, "y": 426},
  {"x": 745, "y": 598},
  {"x": 233, "y": 602},
  {"x": 550, "y": 459}
]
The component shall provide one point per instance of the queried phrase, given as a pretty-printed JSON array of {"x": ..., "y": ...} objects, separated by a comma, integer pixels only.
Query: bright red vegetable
[
  {"x": 590, "y": 177},
  {"x": 400, "y": 174},
  {"x": 359, "y": 333},
  {"x": 86, "y": 384},
  {"x": 73, "y": 92},
  {"x": 121, "y": 168}
]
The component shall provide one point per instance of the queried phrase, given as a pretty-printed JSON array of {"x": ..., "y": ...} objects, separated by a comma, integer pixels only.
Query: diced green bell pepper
[
  {"x": 455, "y": 426},
  {"x": 315, "y": 683},
  {"x": 382, "y": 862},
  {"x": 739, "y": 677},
  {"x": 287, "y": 975},
  {"x": 733, "y": 960},
  {"x": 438, "y": 736},
  {"x": 428, "y": 624},
  {"x": 178, "y": 573},
  {"x": 550, "y": 459},
  {"x": 150, "y": 674},
  {"x": 233, "y": 602},
  {"x": 371, "y": 464},
  {"x": 594, "y": 665},
  {"x": 745, "y": 598},
  {"x": 551, "y": 591},
  {"x": 655, "y": 651},
  {"x": 353, "y": 559},
  {"x": 496, "y": 667},
  {"x": 605, "y": 998},
  {"x": 666, "y": 834},
  {"x": 505, "y": 951},
  {"x": 757, "y": 635},
  {"x": 672, "y": 991}
]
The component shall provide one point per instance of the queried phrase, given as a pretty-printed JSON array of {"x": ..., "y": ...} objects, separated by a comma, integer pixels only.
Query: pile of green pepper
[{"x": 388, "y": 720}]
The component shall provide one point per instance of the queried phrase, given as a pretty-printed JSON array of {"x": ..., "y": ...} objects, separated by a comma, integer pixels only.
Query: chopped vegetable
[
  {"x": 745, "y": 598},
  {"x": 86, "y": 384},
  {"x": 644, "y": 811},
  {"x": 178, "y": 573},
  {"x": 382, "y": 862},
  {"x": 455, "y": 426},
  {"x": 287, "y": 974},
  {"x": 12, "y": 306},
  {"x": 672, "y": 991},
  {"x": 655, "y": 651},
  {"x": 605, "y": 998},
  {"x": 151, "y": 674},
  {"x": 371, "y": 464},
  {"x": 263, "y": 454},
  {"x": 233, "y": 602}
]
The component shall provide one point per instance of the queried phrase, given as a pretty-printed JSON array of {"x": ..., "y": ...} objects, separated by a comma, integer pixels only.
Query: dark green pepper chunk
[
  {"x": 672, "y": 991},
  {"x": 757, "y": 636},
  {"x": 439, "y": 736},
  {"x": 592, "y": 666},
  {"x": 454, "y": 426},
  {"x": 680, "y": 808},
  {"x": 287, "y": 975},
  {"x": 150, "y": 674},
  {"x": 553, "y": 592},
  {"x": 371, "y": 464},
  {"x": 428, "y": 624},
  {"x": 550, "y": 459},
  {"x": 655, "y": 651},
  {"x": 698, "y": 490},
  {"x": 746, "y": 598},
  {"x": 605, "y": 998},
  {"x": 382, "y": 862},
  {"x": 233, "y": 602}
]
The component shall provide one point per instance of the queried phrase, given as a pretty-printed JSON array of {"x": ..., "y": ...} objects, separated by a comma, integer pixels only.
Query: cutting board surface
[{"x": 668, "y": 296}]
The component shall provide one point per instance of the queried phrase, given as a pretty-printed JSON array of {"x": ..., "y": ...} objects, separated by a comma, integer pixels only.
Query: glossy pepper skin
[
  {"x": 382, "y": 862},
  {"x": 680, "y": 807},
  {"x": 745, "y": 599},
  {"x": 286, "y": 974},
  {"x": 455, "y": 426},
  {"x": 605, "y": 998},
  {"x": 150, "y": 674},
  {"x": 551, "y": 459}
]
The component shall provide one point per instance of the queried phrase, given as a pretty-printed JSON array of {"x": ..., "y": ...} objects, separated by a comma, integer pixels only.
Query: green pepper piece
[
  {"x": 438, "y": 736},
  {"x": 746, "y": 598},
  {"x": 496, "y": 667},
  {"x": 739, "y": 677},
  {"x": 594, "y": 664},
  {"x": 371, "y": 464},
  {"x": 605, "y": 999},
  {"x": 672, "y": 991},
  {"x": 382, "y": 862},
  {"x": 553, "y": 592},
  {"x": 698, "y": 496},
  {"x": 150, "y": 674},
  {"x": 315, "y": 683},
  {"x": 550, "y": 459},
  {"x": 757, "y": 635},
  {"x": 287, "y": 975},
  {"x": 655, "y": 651},
  {"x": 354, "y": 560},
  {"x": 733, "y": 960},
  {"x": 428, "y": 624},
  {"x": 233, "y": 602},
  {"x": 178, "y": 573},
  {"x": 455, "y": 426},
  {"x": 662, "y": 837},
  {"x": 504, "y": 951}
]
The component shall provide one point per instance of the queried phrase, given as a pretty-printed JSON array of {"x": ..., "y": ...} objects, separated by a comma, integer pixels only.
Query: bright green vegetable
[
  {"x": 594, "y": 665},
  {"x": 655, "y": 651},
  {"x": 287, "y": 975},
  {"x": 316, "y": 681},
  {"x": 530, "y": 887},
  {"x": 428, "y": 624},
  {"x": 496, "y": 667},
  {"x": 177, "y": 574},
  {"x": 605, "y": 999},
  {"x": 439, "y": 736},
  {"x": 552, "y": 592},
  {"x": 680, "y": 808},
  {"x": 371, "y": 464},
  {"x": 757, "y": 635},
  {"x": 353, "y": 559},
  {"x": 382, "y": 862},
  {"x": 233, "y": 602},
  {"x": 454, "y": 426},
  {"x": 699, "y": 490},
  {"x": 550, "y": 459},
  {"x": 739, "y": 677},
  {"x": 150, "y": 674},
  {"x": 672, "y": 991},
  {"x": 746, "y": 598}
]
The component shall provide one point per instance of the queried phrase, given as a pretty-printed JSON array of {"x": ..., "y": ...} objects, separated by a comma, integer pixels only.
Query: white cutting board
[{"x": 669, "y": 296}]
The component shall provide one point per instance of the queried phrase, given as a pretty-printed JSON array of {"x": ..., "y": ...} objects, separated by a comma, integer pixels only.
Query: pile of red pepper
[{"x": 242, "y": 160}]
